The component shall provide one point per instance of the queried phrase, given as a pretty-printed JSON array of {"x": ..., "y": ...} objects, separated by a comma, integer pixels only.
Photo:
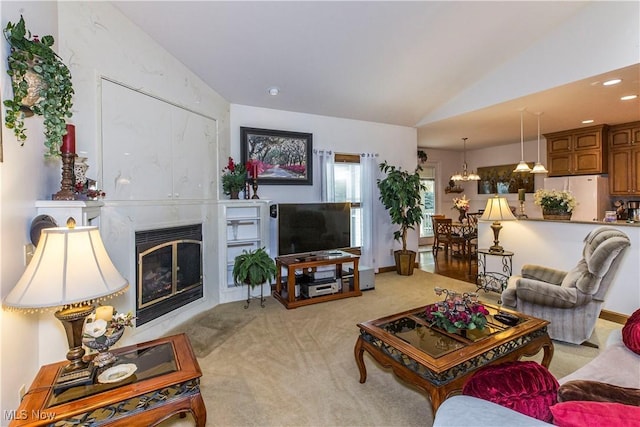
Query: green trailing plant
[
  {"x": 32, "y": 58},
  {"x": 400, "y": 193},
  {"x": 253, "y": 268}
]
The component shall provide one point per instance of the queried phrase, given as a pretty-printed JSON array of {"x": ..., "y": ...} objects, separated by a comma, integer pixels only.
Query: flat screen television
[{"x": 313, "y": 227}]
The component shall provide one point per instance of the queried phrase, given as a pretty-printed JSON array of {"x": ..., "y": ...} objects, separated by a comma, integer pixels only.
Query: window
[
  {"x": 428, "y": 200},
  {"x": 347, "y": 173}
]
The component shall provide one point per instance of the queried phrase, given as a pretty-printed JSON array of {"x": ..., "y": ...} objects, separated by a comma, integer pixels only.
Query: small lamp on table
[
  {"x": 497, "y": 210},
  {"x": 70, "y": 270}
]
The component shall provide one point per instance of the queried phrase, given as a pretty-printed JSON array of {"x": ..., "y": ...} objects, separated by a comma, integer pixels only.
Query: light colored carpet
[{"x": 277, "y": 367}]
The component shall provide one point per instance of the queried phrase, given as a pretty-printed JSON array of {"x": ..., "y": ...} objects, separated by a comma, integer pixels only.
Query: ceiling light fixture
[
  {"x": 522, "y": 166},
  {"x": 465, "y": 176},
  {"x": 539, "y": 167},
  {"x": 611, "y": 82},
  {"x": 273, "y": 91},
  {"x": 628, "y": 97},
  {"x": 586, "y": 122}
]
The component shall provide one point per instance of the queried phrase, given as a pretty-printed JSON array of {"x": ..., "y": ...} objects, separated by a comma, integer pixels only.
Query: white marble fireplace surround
[{"x": 119, "y": 223}]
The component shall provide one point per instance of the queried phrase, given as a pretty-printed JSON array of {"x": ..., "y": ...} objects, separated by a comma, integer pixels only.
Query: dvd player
[{"x": 310, "y": 290}]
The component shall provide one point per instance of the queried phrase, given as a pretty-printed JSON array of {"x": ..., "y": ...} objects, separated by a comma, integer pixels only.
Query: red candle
[
  {"x": 69, "y": 140},
  {"x": 255, "y": 170}
]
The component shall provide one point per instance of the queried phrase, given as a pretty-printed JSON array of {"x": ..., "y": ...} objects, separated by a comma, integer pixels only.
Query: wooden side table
[{"x": 166, "y": 382}]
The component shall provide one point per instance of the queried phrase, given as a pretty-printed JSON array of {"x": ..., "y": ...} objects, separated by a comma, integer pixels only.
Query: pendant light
[
  {"x": 539, "y": 167},
  {"x": 522, "y": 166},
  {"x": 465, "y": 176}
]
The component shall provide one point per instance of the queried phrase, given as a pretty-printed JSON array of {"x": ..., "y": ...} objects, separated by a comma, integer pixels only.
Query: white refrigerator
[{"x": 591, "y": 193}]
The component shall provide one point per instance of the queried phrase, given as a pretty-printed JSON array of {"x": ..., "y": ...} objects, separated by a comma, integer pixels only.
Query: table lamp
[
  {"x": 497, "y": 210},
  {"x": 70, "y": 270}
]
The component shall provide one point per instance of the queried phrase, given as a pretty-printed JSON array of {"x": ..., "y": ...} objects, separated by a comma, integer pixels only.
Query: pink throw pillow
[
  {"x": 526, "y": 387},
  {"x": 631, "y": 332},
  {"x": 578, "y": 413}
]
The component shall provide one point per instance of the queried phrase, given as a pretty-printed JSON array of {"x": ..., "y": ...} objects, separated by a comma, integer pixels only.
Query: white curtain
[
  {"x": 369, "y": 168},
  {"x": 326, "y": 162}
]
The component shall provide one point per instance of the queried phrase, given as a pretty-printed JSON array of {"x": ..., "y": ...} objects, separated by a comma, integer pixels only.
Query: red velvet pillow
[
  {"x": 526, "y": 387},
  {"x": 595, "y": 414},
  {"x": 631, "y": 332}
]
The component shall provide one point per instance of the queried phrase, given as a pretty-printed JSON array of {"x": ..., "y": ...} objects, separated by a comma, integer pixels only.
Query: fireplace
[{"x": 168, "y": 270}]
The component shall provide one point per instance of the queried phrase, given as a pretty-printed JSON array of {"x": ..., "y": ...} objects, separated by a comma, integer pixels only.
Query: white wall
[
  {"x": 395, "y": 144},
  {"x": 94, "y": 39},
  {"x": 24, "y": 178}
]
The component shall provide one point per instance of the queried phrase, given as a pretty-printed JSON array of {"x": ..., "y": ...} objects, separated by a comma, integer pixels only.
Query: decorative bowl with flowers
[
  {"x": 457, "y": 311},
  {"x": 555, "y": 202},
  {"x": 100, "y": 335}
]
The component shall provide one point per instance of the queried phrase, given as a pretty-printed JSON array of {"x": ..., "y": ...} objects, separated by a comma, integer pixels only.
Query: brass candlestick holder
[
  {"x": 67, "y": 184},
  {"x": 254, "y": 185}
]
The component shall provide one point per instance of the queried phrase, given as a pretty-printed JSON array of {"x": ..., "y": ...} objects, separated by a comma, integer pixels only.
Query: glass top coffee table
[{"x": 439, "y": 362}]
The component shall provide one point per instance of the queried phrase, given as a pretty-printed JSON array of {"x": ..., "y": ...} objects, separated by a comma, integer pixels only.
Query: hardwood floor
[{"x": 454, "y": 267}]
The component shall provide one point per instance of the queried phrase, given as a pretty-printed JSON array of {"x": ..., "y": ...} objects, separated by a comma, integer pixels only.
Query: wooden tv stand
[{"x": 308, "y": 263}]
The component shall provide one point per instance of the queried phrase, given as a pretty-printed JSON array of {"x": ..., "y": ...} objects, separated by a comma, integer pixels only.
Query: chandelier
[{"x": 465, "y": 176}]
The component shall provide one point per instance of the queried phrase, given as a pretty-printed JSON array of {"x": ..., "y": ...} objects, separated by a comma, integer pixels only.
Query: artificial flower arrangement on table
[
  {"x": 461, "y": 204},
  {"x": 555, "y": 202},
  {"x": 87, "y": 191},
  {"x": 102, "y": 329},
  {"x": 234, "y": 178},
  {"x": 457, "y": 311}
]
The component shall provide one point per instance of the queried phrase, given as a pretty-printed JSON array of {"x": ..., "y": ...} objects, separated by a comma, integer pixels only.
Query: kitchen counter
[
  {"x": 600, "y": 223},
  {"x": 559, "y": 244}
]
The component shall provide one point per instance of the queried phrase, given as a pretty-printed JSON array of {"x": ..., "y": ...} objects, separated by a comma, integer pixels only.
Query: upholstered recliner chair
[{"x": 571, "y": 301}]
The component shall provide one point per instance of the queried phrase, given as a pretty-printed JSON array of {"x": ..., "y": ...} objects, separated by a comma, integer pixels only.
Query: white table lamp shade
[
  {"x": 497, "y": 209},
  {"x": 70, "y": 266}
]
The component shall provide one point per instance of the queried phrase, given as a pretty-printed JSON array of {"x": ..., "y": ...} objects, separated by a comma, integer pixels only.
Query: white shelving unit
[{"x": 244, "y": 225}]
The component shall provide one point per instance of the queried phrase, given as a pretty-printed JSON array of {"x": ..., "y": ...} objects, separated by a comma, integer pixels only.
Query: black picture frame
[
  {"x": 284, "y": 157},
  {"x": 503, "y": 180}
]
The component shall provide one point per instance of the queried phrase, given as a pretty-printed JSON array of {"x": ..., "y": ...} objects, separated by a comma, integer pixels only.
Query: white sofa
[{"x": 616, "y": 365}]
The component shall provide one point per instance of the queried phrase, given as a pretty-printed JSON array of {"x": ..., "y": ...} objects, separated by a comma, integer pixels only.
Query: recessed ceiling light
[
  {"x": 273, "y": 91},
  {"x": 586, "y": 122},
  {"x": 628, "y": 97},
  {"x": 611, "y": 82}
]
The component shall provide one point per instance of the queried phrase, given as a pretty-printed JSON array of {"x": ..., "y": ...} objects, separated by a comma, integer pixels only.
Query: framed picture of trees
[{"x": 279, "y": 157}]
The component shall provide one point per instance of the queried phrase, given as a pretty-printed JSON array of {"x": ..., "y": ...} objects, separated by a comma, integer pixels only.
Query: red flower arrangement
[{"x": 457, "y": 311}]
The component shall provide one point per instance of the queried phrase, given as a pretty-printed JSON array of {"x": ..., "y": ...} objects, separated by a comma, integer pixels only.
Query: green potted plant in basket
[
  {"x": 555, "y": 204},
  {"x": 41, "y": 85},
  {"x": 400, "y": 193}
]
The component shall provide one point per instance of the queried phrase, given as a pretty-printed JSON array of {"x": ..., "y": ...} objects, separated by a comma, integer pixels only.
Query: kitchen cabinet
[
  {"x": 580, "y": 151},
  {"x": 624, "y": 159}
]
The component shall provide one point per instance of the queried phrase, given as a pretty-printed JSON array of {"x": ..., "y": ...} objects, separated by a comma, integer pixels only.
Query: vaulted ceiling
[{"x": 388, "y": 62}]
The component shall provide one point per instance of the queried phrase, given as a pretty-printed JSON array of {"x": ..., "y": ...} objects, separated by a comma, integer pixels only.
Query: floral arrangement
[
  {"x": 553, "y": 200},
  {"x": 457, "y": 311},
  {"x": 87, "y": 191},
  {"x": 461, "y": 203},
  {"x": 234, "y": 178},
  {"x": 99, "y": 329}
]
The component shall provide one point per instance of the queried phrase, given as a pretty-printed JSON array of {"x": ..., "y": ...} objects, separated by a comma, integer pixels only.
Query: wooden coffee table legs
[{"x": 438, "y": 393}]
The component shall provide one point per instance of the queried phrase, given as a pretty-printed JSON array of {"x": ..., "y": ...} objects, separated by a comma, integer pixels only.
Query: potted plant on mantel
[
  {"x": 41, "y": 84},
  {"x": 253, "y": 268},
  {"x": 400, "y": 193}
]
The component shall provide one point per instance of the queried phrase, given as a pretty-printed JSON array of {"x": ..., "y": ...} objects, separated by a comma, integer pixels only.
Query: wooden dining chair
[
  {"x": 443, "y": 229},
  {"x": 436, "y": 245}
]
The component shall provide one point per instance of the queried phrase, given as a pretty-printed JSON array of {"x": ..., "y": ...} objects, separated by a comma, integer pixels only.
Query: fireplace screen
[{"x": 169, "y": 270}]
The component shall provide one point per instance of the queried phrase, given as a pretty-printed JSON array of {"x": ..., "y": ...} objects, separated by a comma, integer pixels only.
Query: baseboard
[
  {"x": 386, "y": 269},
  {"x": 612, "y": 316}
]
